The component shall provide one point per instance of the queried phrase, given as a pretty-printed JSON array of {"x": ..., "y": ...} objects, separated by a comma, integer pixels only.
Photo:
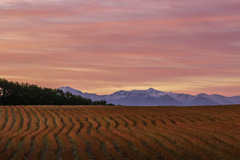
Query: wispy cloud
[{"x": 103, "y": 46}]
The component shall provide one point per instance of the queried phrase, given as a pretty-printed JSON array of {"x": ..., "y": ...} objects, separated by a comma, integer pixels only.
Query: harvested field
[{"x": 118, "y": 132}]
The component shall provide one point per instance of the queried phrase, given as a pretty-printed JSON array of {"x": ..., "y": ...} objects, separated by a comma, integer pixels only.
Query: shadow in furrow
[
  {"x": 14, "y": 119},
  {"x": 108, "y": 124},
  {"x": 118, "y": 149},
  {"x": 28, "y": 133},
  {"x": 88, "y": 149},
  {"x": 90, "y": 126},
  {"x": 134, "y": 122},
  {"x": 152, "y": 121},
  {"x": 74, "y": 144},
  {"x": 71, "y": 121},
  {"x": 46, "y": 147},
  {"x": 45, "y": 138},
  {"x": 21, "y": 121},
  {"x": 116, "y": 122},
  {"x": 147, "y": 146},
  {"x": 99, "y": 124},
  {"x": 6, "y": 119},
  {"x": 105, "y": 151},
  {"x": 33, "y": 139},
  {"x": 144, "y": 122},
  {"x": 20, "y": 144},
  {"x": 59, "y": 153},
  {"x": 8, "y": 143},
  {"x": 126, "y": 124},
  {"x": 81, "y": 126}
]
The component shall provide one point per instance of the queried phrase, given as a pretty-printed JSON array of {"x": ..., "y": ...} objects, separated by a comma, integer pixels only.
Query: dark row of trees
[{"x": 14, "y": 93}]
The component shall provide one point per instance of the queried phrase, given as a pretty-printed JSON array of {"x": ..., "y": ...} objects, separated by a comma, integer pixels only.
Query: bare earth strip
[{"x": 119, "y": 132}]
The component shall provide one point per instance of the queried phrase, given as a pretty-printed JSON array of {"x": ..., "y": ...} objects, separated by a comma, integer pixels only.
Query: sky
[{"x": 102, "y": 46}]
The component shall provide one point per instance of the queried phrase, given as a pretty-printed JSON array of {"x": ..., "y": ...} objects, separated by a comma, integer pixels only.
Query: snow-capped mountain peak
[
  {"x": 152, "y": 97},
  {"x": 70, "y": 90}
]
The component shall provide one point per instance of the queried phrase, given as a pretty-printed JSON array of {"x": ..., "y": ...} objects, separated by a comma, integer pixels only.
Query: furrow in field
[
  {"x": 100, "y": 136},
  {"x": 80, "y": 127},
  {"x": 73, "y": 125},
  {"x": 116, "y": 122},
  {"x": 3, "y": 119},
  {"x": 7, "y": 138},
  {"x": 197, "y": 120},
  {"x": 141, "y": 129},
  {"x": 168, "y": 141},
  {"x": 219, "y": 142},
  {"x": 21, "y": 117},
  {"x": 126, "y": 124},
  {"x": 104, "y": 132},
  {"x": 59, "y": 153},
  {"x": 11, "y": 141},
  {"x": 111, "y": 140},
  {"x": 161, "y": 121},
  {"x": 134, "y": 123},
  {"x": 108, "y": 124},
  {"x": 90, "y": 126},
  {"x": 13, "y": 110},
  {"x": 159, "y": 149},
  {"x": 135, "y": 153},
  {"x": 41, "y": 127},
  {"x": 88, "y": 150},
  {"x": 28, "y": 136},
  {"x": 98, "y": 124},
  {"x": 197, "y": 141},
  {"x": 141, "y": 120},
  {"x": 98, "y": 140},
  {"x": 75, "y": 149},
  {"x": 44, "y": 149},
  {"x": 69, "y": 147},
  {"x": 8, "y": 120},
  {"x": 118, "y": 149},
  {"x": 79, "y": 146},
  {"x": 199, "y": 146},
  {"x": 149, "y": 120},
  {"x": 93, "y": 139},
  {"x": 63, "y": 149},
  {"x": 135, "y": 142},
  {"x": 85, "y": 133},
  {"x": 213, "y": 130},
  {"x": 215, "y": 116},
  {"x": 39, "y": 139},
  {"x": 113, "y": 152},
  {"x": 48, "y": 135},
  {"x": 20, "y": 145},
  {"x": 16, "y": 117}
]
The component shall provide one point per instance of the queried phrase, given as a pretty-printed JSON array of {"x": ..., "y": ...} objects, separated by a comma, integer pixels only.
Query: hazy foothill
[{"x": 153, "y": 97}]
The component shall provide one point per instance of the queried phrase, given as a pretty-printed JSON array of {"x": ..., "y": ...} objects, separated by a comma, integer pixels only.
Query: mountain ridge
[{"x": 153, "y": 97}]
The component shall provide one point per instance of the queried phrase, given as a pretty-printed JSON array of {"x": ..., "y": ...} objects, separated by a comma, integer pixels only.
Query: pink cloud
[{"x": 103, "y": 47}]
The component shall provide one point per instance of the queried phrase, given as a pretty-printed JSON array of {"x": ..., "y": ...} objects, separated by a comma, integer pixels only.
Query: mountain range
[{"x": 152, "y": 97}]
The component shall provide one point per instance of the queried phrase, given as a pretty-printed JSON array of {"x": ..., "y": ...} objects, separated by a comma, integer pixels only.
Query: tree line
[{"x": 14, "y": 93}]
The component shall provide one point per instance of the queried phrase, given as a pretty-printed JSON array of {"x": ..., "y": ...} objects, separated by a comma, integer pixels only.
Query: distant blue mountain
[{"x": 152, "y": 97}]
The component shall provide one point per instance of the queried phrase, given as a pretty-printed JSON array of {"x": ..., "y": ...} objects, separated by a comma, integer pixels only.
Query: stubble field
[{"x": 118, "y": 132}]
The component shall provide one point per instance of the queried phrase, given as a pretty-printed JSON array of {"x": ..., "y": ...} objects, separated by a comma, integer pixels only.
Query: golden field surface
[{"x": 119, "y": 132}]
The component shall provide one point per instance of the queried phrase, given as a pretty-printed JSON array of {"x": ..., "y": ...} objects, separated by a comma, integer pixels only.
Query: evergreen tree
[{"x": 13, "y": 93}]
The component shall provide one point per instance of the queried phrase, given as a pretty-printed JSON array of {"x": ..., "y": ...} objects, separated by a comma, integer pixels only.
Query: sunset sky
[{"x": 101, "y": 46}]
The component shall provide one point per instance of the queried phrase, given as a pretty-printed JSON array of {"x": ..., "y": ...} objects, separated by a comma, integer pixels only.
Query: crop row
[{"x": 107, "y": 132}]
